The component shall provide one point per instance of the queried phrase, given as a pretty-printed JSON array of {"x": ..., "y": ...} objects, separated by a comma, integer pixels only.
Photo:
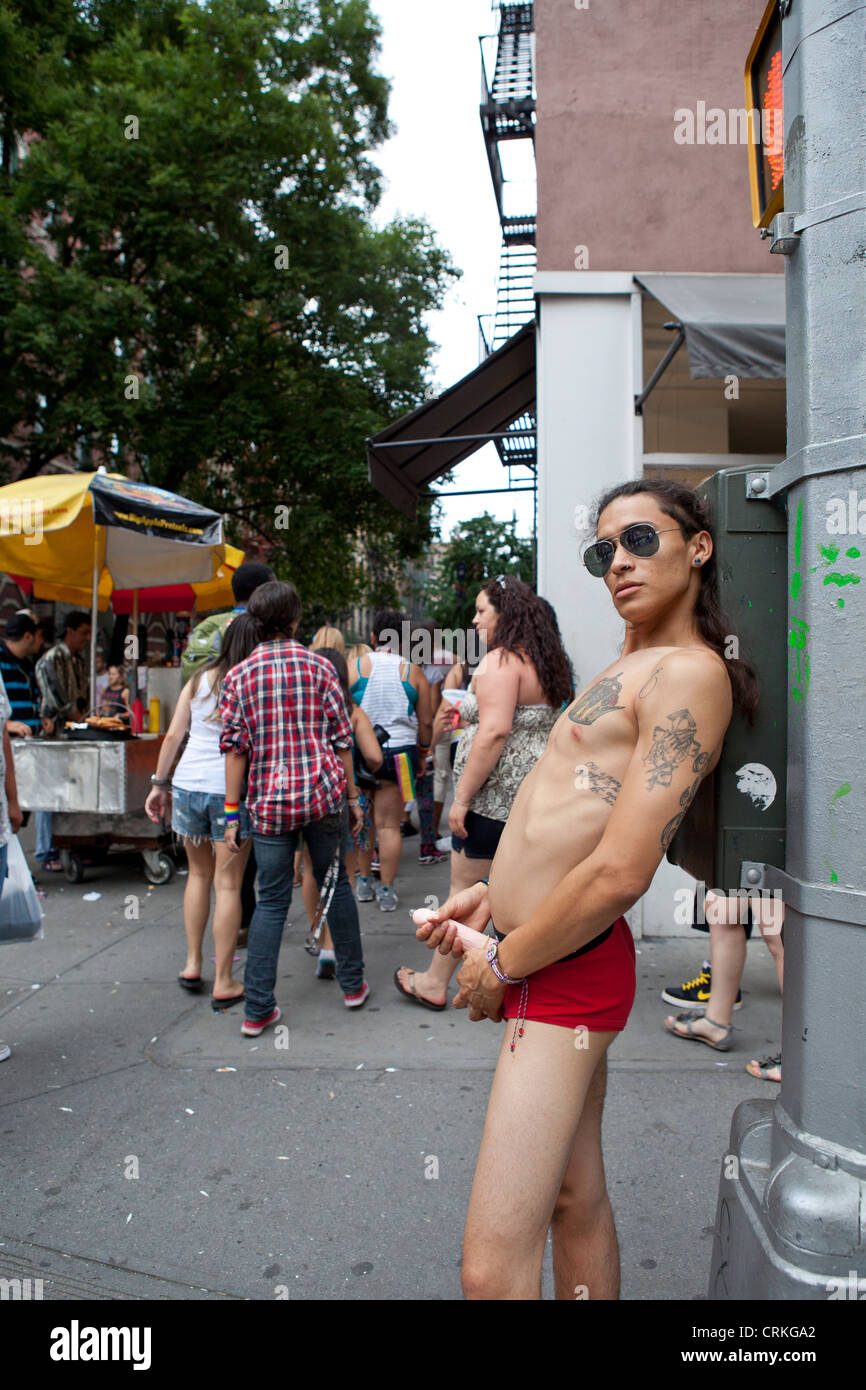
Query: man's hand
[
  {"x": 356, "y": 820},
  {"x": 232, "y": 837},
  {"x": 480, "y": 991},
  {"x": 16, "y": 819},
  {"x": 469, "y": 906},
  {"x": 156, "y": 805},
  {"x": 17, "y": 729}
]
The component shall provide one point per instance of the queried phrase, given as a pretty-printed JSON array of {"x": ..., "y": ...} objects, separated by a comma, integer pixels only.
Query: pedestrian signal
[{"x": 766, "y": 126}]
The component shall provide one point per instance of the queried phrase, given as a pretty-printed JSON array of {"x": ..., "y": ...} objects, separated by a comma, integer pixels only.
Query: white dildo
[{"x": 473, "y": 940}]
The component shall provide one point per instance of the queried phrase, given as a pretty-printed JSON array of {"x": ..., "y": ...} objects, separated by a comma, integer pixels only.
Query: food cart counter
[{"x": 97, "y": 789}]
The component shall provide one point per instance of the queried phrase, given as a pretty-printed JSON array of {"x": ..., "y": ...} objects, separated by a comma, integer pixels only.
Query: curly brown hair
[{"x": 524, "y": 628}]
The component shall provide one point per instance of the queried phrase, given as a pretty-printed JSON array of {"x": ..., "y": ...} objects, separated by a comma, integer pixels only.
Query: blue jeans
[
  {"x": 275, "y": 858},
  {"x": 44, "y": 821}
]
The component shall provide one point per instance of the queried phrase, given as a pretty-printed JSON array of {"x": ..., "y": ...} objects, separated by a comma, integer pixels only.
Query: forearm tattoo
[
  {"x": 599, "y": 699},
  {"x": 670, "y": 747},
  {"x": 699, "y": 765},
  {"x": 590, "y": 778}
]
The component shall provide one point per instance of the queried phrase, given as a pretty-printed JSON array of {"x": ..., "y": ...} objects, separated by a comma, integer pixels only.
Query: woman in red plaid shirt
[{"x": 286, "y": 730}]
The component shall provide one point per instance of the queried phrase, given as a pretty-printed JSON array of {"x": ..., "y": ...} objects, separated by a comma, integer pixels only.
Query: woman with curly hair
[{"x": 513, "y": 702}]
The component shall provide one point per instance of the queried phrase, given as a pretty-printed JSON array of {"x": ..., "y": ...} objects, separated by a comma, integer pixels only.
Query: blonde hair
[
  {"x": 360, "y": 649},
  {"x": 329, "y": 637}
]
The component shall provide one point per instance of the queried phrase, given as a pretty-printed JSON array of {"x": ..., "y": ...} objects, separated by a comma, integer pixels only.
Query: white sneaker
[{"x": 5, "y": 1051}]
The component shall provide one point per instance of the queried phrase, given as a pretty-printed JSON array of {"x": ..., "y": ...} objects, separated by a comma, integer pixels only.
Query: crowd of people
[{"x": 290, "y": 766}]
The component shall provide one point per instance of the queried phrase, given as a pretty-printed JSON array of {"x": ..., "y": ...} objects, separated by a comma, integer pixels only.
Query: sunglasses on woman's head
[{"x": 641, "y": 539}]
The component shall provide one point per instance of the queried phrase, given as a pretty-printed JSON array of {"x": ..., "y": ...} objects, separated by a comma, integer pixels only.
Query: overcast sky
[{"x": 436, "y": 167}]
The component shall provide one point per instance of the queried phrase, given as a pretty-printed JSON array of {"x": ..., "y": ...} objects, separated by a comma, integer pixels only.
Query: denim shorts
[{"x": 201, "y": 815}]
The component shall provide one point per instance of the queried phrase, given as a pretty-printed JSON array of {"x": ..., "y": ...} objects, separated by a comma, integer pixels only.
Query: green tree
[
  {"x": 479, "y": 549},
  {"x": 207, "y": 293}
]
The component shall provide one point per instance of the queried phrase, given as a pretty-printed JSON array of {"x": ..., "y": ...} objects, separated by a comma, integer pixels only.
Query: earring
[{"x": 697, "y": 562}]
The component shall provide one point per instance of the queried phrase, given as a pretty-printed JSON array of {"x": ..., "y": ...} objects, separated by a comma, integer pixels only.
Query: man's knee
[{"x": 483, "y": 1275}]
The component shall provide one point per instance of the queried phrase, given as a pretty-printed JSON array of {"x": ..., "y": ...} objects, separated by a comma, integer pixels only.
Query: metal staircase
[{"x": 508, "y": 113}]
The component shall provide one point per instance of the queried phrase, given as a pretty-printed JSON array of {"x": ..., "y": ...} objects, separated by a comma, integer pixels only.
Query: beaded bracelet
[{"x": 492, "y": 952}]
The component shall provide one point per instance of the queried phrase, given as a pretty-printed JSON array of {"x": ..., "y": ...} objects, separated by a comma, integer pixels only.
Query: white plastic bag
[{"x": 20, "y": 913}]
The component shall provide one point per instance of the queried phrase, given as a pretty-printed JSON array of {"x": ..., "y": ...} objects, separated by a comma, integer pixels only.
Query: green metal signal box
[{"x": 739, "y": 813}]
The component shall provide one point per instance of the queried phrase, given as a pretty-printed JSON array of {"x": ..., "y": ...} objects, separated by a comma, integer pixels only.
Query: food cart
[
  {"x": 96, "y": 786},
  {"x": 110, "y": 540}
]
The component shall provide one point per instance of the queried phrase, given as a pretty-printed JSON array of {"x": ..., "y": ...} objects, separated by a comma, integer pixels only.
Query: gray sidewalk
[{"x": 299, "y": 1171}]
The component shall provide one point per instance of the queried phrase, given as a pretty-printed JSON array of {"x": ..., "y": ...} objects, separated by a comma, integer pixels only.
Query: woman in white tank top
[
  {"x": 198, "y": 788},
  {"x": 395, "y": 693}
]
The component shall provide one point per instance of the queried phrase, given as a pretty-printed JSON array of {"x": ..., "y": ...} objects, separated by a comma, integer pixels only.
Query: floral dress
[{"x": 530, "y": 730}]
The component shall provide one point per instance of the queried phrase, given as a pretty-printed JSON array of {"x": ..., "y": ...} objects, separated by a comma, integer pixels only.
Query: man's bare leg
[
  {"x": 585, "y": 1249},
  {"x": 533, "y": 1117}
]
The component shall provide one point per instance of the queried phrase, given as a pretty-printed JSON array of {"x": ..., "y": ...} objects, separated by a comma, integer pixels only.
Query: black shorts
[
  {"x": 482, "y": 837},
  {"x": 388, "y": 772}
]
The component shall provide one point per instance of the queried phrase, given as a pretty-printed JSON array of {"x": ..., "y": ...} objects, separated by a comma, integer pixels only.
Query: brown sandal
[{"x": 411, "y": 992}]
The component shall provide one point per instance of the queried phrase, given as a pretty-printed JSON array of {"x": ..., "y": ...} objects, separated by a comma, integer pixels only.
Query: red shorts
[{"x": 594, "y": 990}]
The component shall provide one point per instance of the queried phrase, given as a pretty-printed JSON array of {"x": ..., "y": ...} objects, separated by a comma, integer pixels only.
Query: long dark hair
[
  {"x": 340, "y": 665},
  {"x": 524, "y": 629},
  {"x": 684, "y": 506},
  {"x": 240, "y": 639}
]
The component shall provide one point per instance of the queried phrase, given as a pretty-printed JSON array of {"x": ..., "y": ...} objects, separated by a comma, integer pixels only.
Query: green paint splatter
[
  {"x": 795, "y": 584},
  {"x": 840, "y": 603},
  {"x": 829, "y": 553},
  {"x": 853, "y": 553},
  {"x": 840, "y": 791},
  {"x": 841, "y": 579}
]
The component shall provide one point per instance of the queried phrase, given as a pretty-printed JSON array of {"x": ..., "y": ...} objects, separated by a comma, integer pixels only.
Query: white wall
[{"x": 589, "y": 439}]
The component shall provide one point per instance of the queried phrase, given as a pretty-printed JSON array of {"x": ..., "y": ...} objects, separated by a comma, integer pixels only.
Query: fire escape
[{"x": 508, "y": 114}]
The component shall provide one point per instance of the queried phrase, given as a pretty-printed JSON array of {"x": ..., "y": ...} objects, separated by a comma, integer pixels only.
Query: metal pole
[
  {"x": 94, "y": 619},
  {"x": 793, "y": 1191}
]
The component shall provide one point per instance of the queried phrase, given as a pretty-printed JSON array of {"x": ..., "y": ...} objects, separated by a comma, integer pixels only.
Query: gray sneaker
[
  {"x": 5, "y": 1051},
  {"x": 364, "y": 889},
  {"x": 387, "y": 899}
]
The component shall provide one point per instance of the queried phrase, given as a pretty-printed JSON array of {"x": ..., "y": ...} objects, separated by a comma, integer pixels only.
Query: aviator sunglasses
[{"x": 640, "y": 539}]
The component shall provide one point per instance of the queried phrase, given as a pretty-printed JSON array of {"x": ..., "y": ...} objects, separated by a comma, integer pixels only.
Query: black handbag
[{"x": 364, "y": 778}]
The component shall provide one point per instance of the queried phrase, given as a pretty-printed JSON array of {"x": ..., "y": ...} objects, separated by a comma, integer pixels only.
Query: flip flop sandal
[
  {"x": 762, "y": 1070},
  {"x": 191, "y": 983},
  {"x": 410, "y": 993},
  {"x": 690, "y": 1035},
  {"x": 220, "y": 1006}
]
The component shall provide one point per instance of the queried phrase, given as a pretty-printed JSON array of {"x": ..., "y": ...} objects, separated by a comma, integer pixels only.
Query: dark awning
[
  {"x": 734, "y": 324},
  {"x": 420, "y": 447}
]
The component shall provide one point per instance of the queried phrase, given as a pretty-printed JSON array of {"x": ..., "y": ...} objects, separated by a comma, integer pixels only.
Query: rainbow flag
[{"x": 405, "y": 776}]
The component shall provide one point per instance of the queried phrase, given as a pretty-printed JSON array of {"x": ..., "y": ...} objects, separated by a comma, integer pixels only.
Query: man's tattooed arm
[
  {"x": 670, "y": 747},
  {"x": 699, "y": 765},
  {"x": 650, "y": 683}
]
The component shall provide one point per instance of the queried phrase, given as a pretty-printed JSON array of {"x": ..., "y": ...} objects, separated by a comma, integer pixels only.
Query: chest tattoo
[
  {"x": 670, "y": 747},
  {"x": 588, "y": 777},
  {"x": 599, "y": 699}
]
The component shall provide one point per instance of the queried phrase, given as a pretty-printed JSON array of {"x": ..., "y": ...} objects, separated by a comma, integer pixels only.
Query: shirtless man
[{"x": 586, "y": 834}]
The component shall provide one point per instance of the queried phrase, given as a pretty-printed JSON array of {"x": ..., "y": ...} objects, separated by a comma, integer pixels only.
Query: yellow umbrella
[{"x": 83, "y": 535}]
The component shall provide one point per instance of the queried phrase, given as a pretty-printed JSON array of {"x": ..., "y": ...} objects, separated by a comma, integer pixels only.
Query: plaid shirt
[{"x": 284, "y": 707}]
